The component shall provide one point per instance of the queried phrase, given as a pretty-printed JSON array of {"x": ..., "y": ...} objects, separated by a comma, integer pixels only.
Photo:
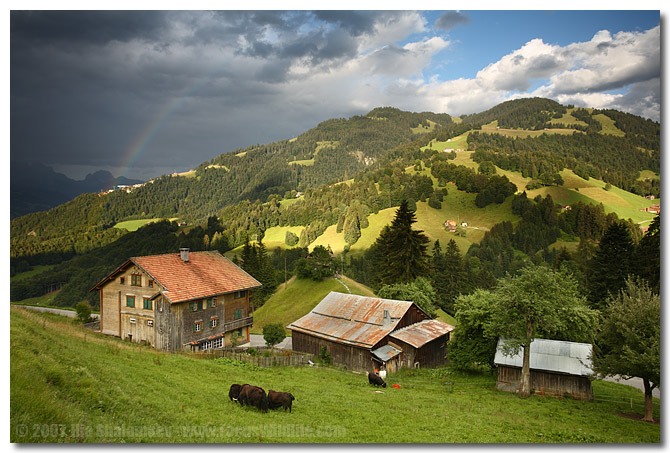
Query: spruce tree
[
  {"x": 611, "y": 264},
  {"x": 402, "y": 249}
]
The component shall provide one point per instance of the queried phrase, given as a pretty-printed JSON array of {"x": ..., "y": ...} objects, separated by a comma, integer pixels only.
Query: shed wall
[
  {"x": 355, "y": 358},
  {"x": 545, "y": 383}
]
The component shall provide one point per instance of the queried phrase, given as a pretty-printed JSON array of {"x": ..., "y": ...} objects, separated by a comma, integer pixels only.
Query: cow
[
  {"x": 257, "y": 398},
  {"x": 244, "y": 393},
  {"x": 234, "y": 392},
  {"x": 280, "y": 399},
  {"x": 376, "y": 380}
]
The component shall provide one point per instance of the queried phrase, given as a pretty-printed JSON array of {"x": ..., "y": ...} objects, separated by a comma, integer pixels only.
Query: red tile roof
[{"x": 205, "y": 274}]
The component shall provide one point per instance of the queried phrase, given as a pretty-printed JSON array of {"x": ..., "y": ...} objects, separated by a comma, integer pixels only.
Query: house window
[
  {"x": 213, "y": 322},
  {"x": 148, "y": 304},
  {"x": 217, "y": 343},
  {"x": 211, "y": 302},
  {"x": 122, "y": 280},
  {"x": 197, "y": 326},
  {"x": 237, "y": 333},
  {"x": 200, "y": 305},
  {"x": 240, "y": 294},
  {"x": 151, "y": 283},
  {"x": 150, "y": 323},
  {"x": 136, "y": 280},
  {"x": 238, "y": 314},
  {"x": 194, "y": 306},
  {"x": 130, "y": 301},
  {"x": 132, "y": 320}
]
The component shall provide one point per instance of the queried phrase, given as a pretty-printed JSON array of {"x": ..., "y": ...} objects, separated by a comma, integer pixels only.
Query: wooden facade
[
  {"x": 135, "y": 305},
  {"x": 545, "y": 383}
]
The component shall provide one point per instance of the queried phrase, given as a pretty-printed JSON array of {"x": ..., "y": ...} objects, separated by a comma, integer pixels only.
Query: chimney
[
  {"x": 387, "y": 318},
  {"x": 183, "y": 252}
]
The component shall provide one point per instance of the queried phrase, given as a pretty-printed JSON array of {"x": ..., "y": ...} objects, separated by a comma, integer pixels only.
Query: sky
[{"x": 146, "y": 93}]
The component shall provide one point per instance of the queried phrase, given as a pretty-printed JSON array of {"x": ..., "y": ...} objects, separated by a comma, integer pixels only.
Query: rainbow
[{"x": 143, "y": 139}]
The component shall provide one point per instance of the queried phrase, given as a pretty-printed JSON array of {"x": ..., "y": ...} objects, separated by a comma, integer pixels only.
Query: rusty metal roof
[
  {"x": 386, "y": 352},
  {"x": 352, "y": 319},
  {"x": 552, "y": 355},
  {"x": 422, "y": 332}
]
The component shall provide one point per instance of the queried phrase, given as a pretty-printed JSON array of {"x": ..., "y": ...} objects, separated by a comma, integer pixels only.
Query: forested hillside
[{"x": 337, "y": 177}]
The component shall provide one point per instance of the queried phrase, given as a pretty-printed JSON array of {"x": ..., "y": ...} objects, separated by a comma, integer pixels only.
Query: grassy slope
[
  {"x": 62, "y": 376},
  {"x": 299, "y": 298},
  {"x": 133, "y": 225}
]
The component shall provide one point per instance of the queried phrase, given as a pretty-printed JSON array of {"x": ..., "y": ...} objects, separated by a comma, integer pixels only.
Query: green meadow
[
  {"x": 72, "y": 385},
  {"x": 133, "y": 225}
]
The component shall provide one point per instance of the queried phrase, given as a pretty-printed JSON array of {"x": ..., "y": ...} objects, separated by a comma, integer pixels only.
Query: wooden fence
[{"x": 291, "y": 359}]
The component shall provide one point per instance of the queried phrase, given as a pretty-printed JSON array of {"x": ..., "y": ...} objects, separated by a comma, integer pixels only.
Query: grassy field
[
  {"x": 625, "y": 204},
  {"x": 298, "y": 298},
  {"x": 68, "y": 384},
  {"x": 133, "y": 225},
  {"x": 608, "y": 125},
  {"x": 568, "y": 120},
  {"x": 276, "y": 236}
]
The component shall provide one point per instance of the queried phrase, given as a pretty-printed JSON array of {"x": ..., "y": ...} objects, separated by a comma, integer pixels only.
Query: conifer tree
[
  {"x": 402, "y": 249},
  {"x": 611, "y": 264}
]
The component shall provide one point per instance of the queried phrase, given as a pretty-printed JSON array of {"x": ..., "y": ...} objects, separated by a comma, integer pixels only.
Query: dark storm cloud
[
  {"x": 450, "y": 19},
  {"x": 355, "y": 22},
  {"x": 93, "y": 27}
]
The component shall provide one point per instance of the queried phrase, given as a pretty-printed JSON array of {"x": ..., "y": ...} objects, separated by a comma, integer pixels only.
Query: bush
[
  {"x": 83, "y": 312},
  {"x": 274, "y": 334},
  {"x": 325, "y": 356},
  {"x": 291, "y": 239}
]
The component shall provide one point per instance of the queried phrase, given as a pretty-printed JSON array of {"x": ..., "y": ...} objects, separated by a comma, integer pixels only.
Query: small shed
[
  {"x": 557, "y": 368},
  {"x": 423, "y": 344}
]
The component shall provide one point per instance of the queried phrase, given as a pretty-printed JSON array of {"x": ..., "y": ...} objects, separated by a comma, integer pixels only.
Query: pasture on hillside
[
  {"x": 298, "y": 297},
  {"x": 69, "y": 384}
]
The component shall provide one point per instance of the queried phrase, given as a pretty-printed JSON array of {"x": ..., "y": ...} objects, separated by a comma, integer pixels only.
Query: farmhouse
[
  {"x": 177, "y": 301},
  {"x": 557, "y": 368},
  {"x": 367, "y": 333}
]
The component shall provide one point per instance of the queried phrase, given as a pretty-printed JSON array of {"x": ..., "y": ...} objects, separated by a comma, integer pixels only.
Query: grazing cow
[
  {"x": 244, "y": 393},
  {"x": 234, "y": 392},
  {"x": 376, "y": 380},
  {"x": 280, "y": 399},
  {"x": 258, "y": 399}
]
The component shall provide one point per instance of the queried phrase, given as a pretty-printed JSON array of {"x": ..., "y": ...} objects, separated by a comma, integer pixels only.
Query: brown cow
[
  {"x": 280, "y": 399},
  {"x": 234, "y": 392},
  {"x": 253, "y": 395}
]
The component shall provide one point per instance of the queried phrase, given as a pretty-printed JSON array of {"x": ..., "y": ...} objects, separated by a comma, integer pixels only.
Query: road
[
  {"x": 634, "y": 382},
  {"x": 257, "y": 341},
  {"x": 58, "y": 311}
]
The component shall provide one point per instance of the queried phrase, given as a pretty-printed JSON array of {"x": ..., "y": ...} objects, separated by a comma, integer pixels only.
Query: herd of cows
[{"x": 253, "y": 395}]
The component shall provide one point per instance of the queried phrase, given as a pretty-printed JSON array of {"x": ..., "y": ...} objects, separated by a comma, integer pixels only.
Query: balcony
[{"x": 238, "y": 323}]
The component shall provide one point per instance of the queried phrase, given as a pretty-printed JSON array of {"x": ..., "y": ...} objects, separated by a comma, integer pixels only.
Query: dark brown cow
[
  {"x": 234, "y": 392},
  {"x": 375, "y": 379},
  {"x": 258, "y": 399},
  {"x": 280, "y": 399}
]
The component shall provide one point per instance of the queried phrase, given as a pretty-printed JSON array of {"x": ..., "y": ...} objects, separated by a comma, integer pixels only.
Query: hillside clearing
[
  {"x": 68, "y": 384},
  {"x": 298, "y": 298},
  {"x": 133, "y": 225}
]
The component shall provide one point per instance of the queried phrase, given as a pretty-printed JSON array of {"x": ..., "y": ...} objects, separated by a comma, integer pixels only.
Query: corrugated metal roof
[
  {"x": 552, "y": 355},
  {"x": 386, "y": 352},
  {"x": 352, "y": 319},
  {"x": 422, "y": 332}
]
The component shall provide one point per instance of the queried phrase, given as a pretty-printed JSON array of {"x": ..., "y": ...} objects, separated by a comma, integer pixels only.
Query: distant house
[
  {"x": 451, "y": 225},
  {"x": 650, "y": 197},
  {"x": 177, "y": 301},
  {"x": 557, "y": 368},
  {"x": 654, "y": 208},
  {"x": 368, "y": 333},
  {"x": 566, "y": 207}
]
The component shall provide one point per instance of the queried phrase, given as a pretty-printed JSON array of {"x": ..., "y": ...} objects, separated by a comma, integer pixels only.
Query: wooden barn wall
[
  {"x": 433, "y": 353},
  {"x": 354, "y": 358},
  {"x": 412, "y": 316},
  {"x": 545, "y": 383}
]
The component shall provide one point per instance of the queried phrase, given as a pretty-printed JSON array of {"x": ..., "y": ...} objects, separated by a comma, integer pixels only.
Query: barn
[
  {"x": 557, "y": 368},
  {"x": 368, "y": 333}
]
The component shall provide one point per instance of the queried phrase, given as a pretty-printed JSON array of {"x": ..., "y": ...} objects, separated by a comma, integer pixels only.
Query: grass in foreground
[{"x": 72, "y": 385}]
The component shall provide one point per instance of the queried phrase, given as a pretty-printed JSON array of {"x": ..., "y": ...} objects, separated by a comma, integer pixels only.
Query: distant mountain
[{"x": 37, "y": 187}]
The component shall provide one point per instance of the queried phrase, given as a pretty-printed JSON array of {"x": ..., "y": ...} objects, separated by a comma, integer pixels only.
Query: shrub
[
  {"x": 274, "y": 334},
  {"x": 83, "y": 311}
]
